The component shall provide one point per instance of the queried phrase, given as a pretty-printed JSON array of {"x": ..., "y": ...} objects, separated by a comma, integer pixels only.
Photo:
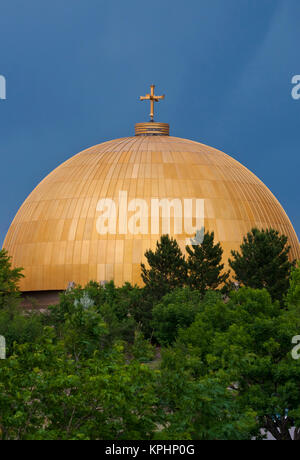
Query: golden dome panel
[{"x": 54, "y": 235}]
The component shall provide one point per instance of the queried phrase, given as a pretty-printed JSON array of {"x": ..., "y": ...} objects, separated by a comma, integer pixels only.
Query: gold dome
[{"x": 54, "y": 234}]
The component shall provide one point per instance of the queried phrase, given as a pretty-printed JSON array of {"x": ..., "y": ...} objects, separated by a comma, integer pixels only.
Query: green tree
[
  {"x": 293, "y": 294},
  {"x": 205, "y": 270},
  {"x": 175, "y": 310},
  {"x": 167, "y": 270},
  {"x": 263, "y": 262},
  {"x": 201, "y": 409},
  {"x": 92, "y": 318},
  {"x": 248, "y": 341},
  {"x": 20, "y": 327},
  {"x": 9, "y": 279},
  {"x": 108, "y": 303},
  {"x": 142, "y": 349},
  {"x": 45, "y": 394}
]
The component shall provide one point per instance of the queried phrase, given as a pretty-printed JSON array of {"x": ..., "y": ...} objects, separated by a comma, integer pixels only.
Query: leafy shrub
[
  {"x": 142, "y": 350},
  {"x": 176, "y": 310},
  {"x": 20, "y": 327}
]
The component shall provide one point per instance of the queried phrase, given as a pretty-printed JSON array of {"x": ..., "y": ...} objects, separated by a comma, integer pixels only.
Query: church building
[{"x": 92, "y": 217}]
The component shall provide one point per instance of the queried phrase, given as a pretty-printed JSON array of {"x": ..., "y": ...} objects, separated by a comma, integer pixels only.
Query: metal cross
[{"x": 152, "y": 98}]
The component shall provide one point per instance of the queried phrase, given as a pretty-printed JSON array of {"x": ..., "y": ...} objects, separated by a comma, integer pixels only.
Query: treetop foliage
[
  {"x": 263, "y": 262},
  {"x": 9, "y": 279},
  {"x": 173, "y": 360}
]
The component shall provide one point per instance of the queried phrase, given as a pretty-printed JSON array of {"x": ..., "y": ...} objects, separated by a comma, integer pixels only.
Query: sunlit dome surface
[{"x": 54, "y": 235}]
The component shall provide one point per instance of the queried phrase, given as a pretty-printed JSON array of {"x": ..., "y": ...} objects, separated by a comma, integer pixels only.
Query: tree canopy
[
  {"x": 263, "y": 262},
  {"x": 173, "y": 360},
  {"x": 9, "y": 279},
  {"x": 204, "y": 263},
  {"x": 167, "y": 270}
]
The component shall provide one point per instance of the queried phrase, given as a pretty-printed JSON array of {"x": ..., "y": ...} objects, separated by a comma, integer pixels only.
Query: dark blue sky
[{"x": 75, "y": 69}]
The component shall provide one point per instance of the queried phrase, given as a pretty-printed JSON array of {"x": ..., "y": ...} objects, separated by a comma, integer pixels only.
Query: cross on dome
[{"x": 152, "y": 98}]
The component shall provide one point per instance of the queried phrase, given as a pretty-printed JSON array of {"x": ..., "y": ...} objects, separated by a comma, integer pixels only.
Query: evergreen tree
[
  {"x": 263, "y": 262},
  {"x": 205, "y": 270},
  {"x": 9, "y": 278},
  {"x": 293, "y": 295},
  {"x": 167, "y": 270}
]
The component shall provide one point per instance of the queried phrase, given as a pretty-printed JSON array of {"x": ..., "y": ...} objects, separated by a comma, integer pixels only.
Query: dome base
[{"x": 39, "y": 300}]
